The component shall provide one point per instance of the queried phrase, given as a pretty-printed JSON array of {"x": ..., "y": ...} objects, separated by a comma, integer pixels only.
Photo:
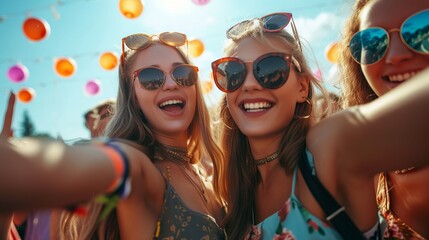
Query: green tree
[
  {"x": 29, "y": 130},
  {"x": 27, "y": 126}
]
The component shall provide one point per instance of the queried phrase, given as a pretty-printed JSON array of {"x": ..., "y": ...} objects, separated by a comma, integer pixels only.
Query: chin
[{"x": 253, "y": 133}]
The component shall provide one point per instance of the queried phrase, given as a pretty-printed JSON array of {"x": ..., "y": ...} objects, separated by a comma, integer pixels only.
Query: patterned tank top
[
  {"x": 177, "y": 221},
  {"x": 294, "y": 221}
]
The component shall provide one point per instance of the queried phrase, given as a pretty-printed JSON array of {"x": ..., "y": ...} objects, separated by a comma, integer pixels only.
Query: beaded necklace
[{"x": 182, "y": 159}]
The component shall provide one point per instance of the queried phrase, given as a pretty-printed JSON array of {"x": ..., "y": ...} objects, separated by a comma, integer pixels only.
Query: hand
[{"x": 7, "y": 131}]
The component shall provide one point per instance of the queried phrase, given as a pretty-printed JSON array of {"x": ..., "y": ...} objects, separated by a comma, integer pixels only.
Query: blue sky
[{"x": 84, "y": 29}]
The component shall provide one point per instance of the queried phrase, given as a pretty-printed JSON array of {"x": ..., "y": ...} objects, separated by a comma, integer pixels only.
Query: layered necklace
[
  {"x": 402, "y": 171},
  {"x": 182, "y": 159},
  {"x": 266, "y": 160}
]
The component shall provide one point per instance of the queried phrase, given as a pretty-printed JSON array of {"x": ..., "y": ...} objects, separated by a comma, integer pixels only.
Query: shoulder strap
[{"x": 336, "y": 214}]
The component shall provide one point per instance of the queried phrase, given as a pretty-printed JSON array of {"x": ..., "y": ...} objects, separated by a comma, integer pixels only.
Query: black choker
[{"x": 268, "y": 159}]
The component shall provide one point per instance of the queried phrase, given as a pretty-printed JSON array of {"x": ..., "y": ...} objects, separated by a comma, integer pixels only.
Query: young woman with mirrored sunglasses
[{"x": 381, "y": 51}]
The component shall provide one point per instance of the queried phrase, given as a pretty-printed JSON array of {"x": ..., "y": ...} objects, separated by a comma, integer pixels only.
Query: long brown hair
[
  {"x": 241, "y": 172},
  {"x": 354, "y": 86},
  {"x": 130, "y": 123}
]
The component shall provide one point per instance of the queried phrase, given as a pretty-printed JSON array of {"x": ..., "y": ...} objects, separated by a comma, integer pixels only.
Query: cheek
[
  {"x": 369, "y": 72},
  {"x": 144, "y": 99},
  {"x": 231, "y": 104},
  {"x": 373, "y": 77}
]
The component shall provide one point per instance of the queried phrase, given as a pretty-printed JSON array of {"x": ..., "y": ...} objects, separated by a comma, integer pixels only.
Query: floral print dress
[
  {"x": 292, "y": 221},
  {"x": 397, "y": 229}
]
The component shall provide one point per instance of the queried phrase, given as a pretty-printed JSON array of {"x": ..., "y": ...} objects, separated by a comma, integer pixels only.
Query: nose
[
  {"x": 250, "y": 83},
  {"x": 169, "y": 83},
  {"x": 397, "y": 51}
]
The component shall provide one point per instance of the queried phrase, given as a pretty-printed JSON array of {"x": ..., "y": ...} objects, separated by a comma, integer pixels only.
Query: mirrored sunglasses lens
[
  {"x": 230, "y": 75},
  {"x": 271, "y": 72},
  {"x": 369, "y": 45},
  {"x": 185, "y": 75},
  {"x": 173, "y": 39},
  {"x": 275, "y": 21},
  {"x": 137, "y": 41},
  {"x": 415, "y": 32},
  {"x": 151, "y": 78}
]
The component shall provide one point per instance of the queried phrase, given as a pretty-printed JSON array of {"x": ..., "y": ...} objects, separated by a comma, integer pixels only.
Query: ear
[{"x": 304, "y": 83}]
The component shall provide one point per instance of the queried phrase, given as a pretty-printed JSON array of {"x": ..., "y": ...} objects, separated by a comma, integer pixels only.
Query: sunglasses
[
  {"x": 370, "y": 45},
  {"x": 274, "y": 22},
  {"x": 141, "y": 41},
  {"x": 152, "y": 78},
  {"x": 271, "y": 70}
]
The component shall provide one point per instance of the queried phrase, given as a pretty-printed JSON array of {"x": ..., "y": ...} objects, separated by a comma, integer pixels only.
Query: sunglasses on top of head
[
  {"x": 271, "y": 70},
  {"x": 274, "y": 22},
  {"x": 141, "y": 41},
  {"x": 370, "y": 45},
  {"x": 152, "y": 78}
]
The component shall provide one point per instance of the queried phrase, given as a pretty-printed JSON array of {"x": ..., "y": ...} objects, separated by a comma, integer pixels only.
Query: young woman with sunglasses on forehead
[
  {"x": 169, "y": 195},
  {"x": 269, "y": 131},
  {"x": 402, "y": 194}
]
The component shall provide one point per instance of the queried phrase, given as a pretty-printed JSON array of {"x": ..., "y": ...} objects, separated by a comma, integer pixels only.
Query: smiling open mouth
[
  {"x": 256, "y": 107},
  {"x": 172, "y": 104}
]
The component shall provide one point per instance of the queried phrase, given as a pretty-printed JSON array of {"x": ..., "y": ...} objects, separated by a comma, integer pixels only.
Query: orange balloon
[
  {"x": 36, "y": 29},
  {"x": 25, "y": 95},
  {"x": 131, "y": 8},
  {"x": 331, "y": 52},
  {"x": 108, "y": 60},
  {"x": 207, "y": 86},
  {"x": 65, "y": 67},
  {"x": 196, "y": 47}
]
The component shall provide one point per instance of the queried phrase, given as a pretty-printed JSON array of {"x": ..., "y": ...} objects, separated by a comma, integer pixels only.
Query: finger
[{"x": 7, "y": 124}]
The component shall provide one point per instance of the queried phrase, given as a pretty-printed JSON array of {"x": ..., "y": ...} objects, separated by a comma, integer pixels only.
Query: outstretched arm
[
  {"x": 51, "y": 174},
  {"x": 387, "y": 134}
]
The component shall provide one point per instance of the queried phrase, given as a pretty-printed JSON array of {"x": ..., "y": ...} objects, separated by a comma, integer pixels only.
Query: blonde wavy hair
[{"x": 355, "y": 89}]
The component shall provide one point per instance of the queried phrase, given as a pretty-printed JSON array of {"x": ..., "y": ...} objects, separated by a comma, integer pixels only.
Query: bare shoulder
[
  {"x": 336, "y": 132},
  {"x": 334, "y": 143},
  {"x": 147, "y": 181}
]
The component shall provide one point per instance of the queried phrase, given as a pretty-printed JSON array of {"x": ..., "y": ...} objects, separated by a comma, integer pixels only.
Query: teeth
[
  {"x": 256, "y": 107},
  {"x": 401, "y": 77},
  {"x": 170, "y": 102}
]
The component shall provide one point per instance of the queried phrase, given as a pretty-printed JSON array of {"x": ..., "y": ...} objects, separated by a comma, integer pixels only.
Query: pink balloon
[
  {"x": 17, "y": 73},
  {"x": 201, "y": 2},
  {"x": 92, "y": 87}
]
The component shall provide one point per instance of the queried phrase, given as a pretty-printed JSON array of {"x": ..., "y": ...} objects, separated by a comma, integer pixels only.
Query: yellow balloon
[
  {"x": 131, "y": 8},
  {"x": 196, "y": 48},
  {"x": 207, "y": 86},
  {"x": 331, "y": 52},
  {"x": 108, "y": 60}
]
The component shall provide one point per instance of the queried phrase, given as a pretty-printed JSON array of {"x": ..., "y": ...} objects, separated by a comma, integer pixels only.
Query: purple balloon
[
  {"x": 201, "y": 2},
  {"x": 17, "y": 73},
  {"x": 92, "y": 87}
]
